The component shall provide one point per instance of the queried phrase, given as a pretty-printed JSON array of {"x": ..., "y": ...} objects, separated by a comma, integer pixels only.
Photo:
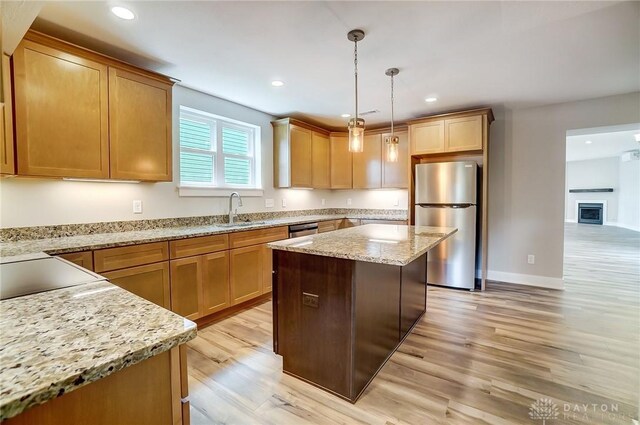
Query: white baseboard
[
  {"x": 570, "y": 220},
  {"x": 624, "y": 226},
  {"x": 526, "y": 279}
]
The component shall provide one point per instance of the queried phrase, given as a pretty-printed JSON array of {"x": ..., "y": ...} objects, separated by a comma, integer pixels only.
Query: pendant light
[
  {"x": 392, "y": 141},
  {"x": 356, "y": 125}
]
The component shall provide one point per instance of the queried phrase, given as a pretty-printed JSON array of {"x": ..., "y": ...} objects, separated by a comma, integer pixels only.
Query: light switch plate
[
  {"x": 323, "y": 201},
  {"x": 348, "y": 201},
  {"x": 268, "y": 203},
  {"x": 531, "y": 259},
  {"x": 137, "y": 206},
  {"x": 396, "y": 202},
  {"x": 284, "y": 203}
]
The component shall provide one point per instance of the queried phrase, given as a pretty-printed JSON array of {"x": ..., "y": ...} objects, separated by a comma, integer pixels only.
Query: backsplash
[{"x": 14, "y": 234}]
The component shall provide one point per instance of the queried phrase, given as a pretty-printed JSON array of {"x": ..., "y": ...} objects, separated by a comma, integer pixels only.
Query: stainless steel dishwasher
[{"x": 297, "y": 230}]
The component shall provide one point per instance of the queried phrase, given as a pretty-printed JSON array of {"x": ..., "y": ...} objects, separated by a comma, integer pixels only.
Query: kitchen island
[{"x": 344, "y": 301}]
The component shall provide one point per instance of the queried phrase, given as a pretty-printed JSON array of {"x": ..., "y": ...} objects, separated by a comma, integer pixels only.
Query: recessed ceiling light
[
  {"x": 637, "y": 136},
  {"x": 277, "y": 83},
  {"x": 345, "y": 115},
  {"x": 588, "y": 142},
  {"x": 123, "y": 13},
  {"x": 431, "y": 99}
]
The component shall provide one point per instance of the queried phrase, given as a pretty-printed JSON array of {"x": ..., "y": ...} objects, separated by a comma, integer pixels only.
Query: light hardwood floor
[{"x": 475, "y": 358}]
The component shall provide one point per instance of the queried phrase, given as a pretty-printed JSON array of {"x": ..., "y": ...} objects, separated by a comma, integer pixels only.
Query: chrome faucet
[{"x": 233, "y": 214}]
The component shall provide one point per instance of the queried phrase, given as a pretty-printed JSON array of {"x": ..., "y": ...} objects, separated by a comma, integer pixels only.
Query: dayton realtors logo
[{"x": 544, "y": 409}]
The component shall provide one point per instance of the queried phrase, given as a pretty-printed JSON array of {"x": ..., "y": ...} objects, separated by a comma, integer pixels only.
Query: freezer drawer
[
  {"x": 446, "y": 183},
  {"x": 453, "y": 262}
]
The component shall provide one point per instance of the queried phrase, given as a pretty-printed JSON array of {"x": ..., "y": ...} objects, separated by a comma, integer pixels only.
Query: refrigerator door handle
[{"x": 445, "y": 205}]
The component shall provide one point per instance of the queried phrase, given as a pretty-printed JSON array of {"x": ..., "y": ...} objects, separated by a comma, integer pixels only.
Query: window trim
[{"x": 220, "y": 122}]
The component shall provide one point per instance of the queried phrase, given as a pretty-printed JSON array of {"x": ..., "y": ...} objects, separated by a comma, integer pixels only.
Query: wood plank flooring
[{"x": 475, "y": 358}]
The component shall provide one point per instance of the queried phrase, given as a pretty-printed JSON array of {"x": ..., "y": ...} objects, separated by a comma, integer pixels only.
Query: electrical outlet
[
  {"x": 531, "y": 259},
  {"x": 268, "y": 203},
  {"x": 323, "y": 201},
  {"x": 284, "y": 203},
  {"x": 137, "y": 206},
  {"x": 348, "y": 201}
]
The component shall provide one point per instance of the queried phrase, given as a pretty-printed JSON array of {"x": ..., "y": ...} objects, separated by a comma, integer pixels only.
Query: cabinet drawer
[
  {"x": 83, "y": 259},
  {"x": 129, "y": 256},
  {"x": 327, "y": 226},
  {"x": 196, "y": 246},
  {"x": 255, "y": 237}
]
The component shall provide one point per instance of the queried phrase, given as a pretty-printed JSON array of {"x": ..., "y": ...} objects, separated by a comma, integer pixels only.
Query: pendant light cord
[
  {"x": 392, "y": 105},
  {"x": 355, "y": 61}
]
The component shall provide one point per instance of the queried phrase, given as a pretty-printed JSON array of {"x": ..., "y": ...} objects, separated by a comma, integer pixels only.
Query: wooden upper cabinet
[
  {"x": 300, "y": 145},
  {"x": 300, "y": 155},
  {"x": 321, "y": 161},
  {"x": 82, "y": 114},
  {"x": 427, "y": 137},
  {"x": 7, "y": 156},
  {"x": 396, "y": 174},
  {"x": 61, "y": 113},
  {"x": 341, "y": 162},
  {"x": 463, "y": 131},
  {"x": 367, "y": 165},
  {"x": 140, "y": 127},
  {"x": 463, "y": 134}
]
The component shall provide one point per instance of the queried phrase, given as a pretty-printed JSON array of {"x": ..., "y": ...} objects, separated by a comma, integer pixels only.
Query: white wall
[
  {"x": 527, "y": 182},
  {"x": 629, "y": 204},
  {"x": 593, "y": 174},
  {"x": 35, "y": 202}
]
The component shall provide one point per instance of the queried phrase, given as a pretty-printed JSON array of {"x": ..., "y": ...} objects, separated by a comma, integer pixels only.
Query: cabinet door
[
  {"x": 150, "y": 282},
  {"x": 463, "y": 134},
  {"x": 367, "y": 166},
  {"x": 328, "y": 226},
  {"x": 427, "y": 137},
  {"x": 300, "y": 139},
  {"x": 396, "y": 174},
  {"x": 341, "y": 166},
  {"x": 186, "y": 284},
  {"x": 215, "y": 282},
  {"x": 267, "y": 269},
  {"x": 139, "y": 126},
  {"x": 7, "y": 158},
  {"x": 321, "y": 164},
  {"x": 246, "y": 273},
  {"x": 61, "y": 113}
]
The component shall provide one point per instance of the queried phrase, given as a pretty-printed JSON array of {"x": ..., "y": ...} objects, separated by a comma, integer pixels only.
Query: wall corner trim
[{"x": 526, "y": 279}]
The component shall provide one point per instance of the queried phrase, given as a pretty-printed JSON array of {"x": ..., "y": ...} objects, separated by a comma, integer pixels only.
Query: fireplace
[{"x": 590, "y": 213}]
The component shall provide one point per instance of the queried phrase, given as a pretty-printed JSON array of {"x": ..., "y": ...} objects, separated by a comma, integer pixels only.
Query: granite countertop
[
  {"x": 57, "y": 341},
  {"x": 396, "y": 245},
  {"x": 61, "y": 245}
]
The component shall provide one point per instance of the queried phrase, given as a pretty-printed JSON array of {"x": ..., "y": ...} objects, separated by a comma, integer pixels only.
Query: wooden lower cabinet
[
  {"x": 349, "y": 222},
  {"x": 328, "y": 226},
  {"x": 186, "y": 286},
  {"x": 246, "y": 273},
  {"x": 145, "y": 393},
  {"x": 215, "y": 282},
  {"x": 267, "y": 268},
  {"x": 83, "y": 259},
  {"x": 150, "y": 282}
]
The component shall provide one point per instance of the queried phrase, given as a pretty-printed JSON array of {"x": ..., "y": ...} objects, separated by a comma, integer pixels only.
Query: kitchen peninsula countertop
[
  {"x": 56, "y": 341},
  {"x": 61, "y": 245},
  {"x": 396, "y": 245}
]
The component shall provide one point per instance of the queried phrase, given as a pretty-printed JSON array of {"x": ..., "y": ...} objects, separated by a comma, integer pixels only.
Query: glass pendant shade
[
  {"x": 392, "y": 148},
  {"x": 356, "y": 135}
]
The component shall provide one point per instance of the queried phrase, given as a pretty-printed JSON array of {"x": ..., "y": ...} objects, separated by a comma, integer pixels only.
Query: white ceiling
[
  {"x": 604, "y": 144},
  {"x": 467, "y": 54}
]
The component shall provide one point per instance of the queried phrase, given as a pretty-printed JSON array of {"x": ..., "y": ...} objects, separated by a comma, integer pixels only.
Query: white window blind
[{"x": 217, "y": 152}]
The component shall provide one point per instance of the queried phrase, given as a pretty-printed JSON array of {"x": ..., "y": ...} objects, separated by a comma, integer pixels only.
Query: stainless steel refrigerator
[{"x": 446, "y": 196}]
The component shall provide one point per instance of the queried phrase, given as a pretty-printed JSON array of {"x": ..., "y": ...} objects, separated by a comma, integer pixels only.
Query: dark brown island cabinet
[{"x": 338, "y": 320}]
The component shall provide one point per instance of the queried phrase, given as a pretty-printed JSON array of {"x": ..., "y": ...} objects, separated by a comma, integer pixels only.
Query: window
[{"x": 218, "y": 152}]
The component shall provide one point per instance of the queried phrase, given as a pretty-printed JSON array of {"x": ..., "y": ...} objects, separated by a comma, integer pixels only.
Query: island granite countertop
[
  {"x": 396, "y": 245},
  {"x": 61, "y": 245},
  {"x": 57, "y": 341}
]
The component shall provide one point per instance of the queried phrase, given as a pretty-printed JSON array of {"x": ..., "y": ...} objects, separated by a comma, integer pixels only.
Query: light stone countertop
[
  {"x": 67, "y": 244},
  {"x": 396, "y": 245},
  {"x": 56, "y": 341}
]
